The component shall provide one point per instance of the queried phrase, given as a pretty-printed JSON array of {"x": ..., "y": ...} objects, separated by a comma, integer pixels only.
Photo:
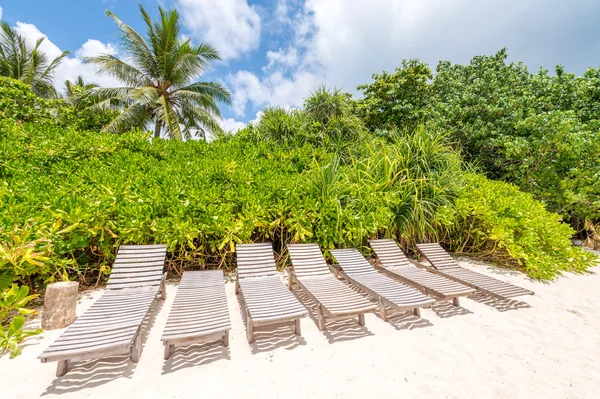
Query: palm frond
[
  {"x": 212, "y": 89},
  {"x": 121, "y": 70},
  {"x": 167, "y": 114},
  {"x": 136, "y": 115}
]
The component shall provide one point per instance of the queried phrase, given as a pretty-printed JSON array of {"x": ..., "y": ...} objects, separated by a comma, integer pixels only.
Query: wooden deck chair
[
  {"x": 446, "y": 266},
  {"x": 334, "y": 299},
  {"x": 386, "y": 290},
  {"x": 266, "y": 299},
  {"x": 199, "y": 312},
  {"x": 397, "y": 265},
  {"x": 112, "y": 325}
]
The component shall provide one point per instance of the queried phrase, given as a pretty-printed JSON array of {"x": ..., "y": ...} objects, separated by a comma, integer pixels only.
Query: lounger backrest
[
  {"x": 352, "y": 262},
  {"x": 389, "y": 253},
  {"x": 137, "y": 266},
  {"x": 307, "y": 260},
  {"x": 255, "y": 260},
  {"x": 437, "y": 256}
]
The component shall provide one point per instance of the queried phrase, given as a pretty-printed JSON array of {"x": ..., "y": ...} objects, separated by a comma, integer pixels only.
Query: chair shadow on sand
[
  {"x": 195, "y": 355},
  {"x": 270, "y": 337},
  {"x": 447, "y": 309},
  {"x": 91, "y": 373},
  {"x": 501, "y": 305},
  {"x": 407, "y": 321},
  {"x": 335, "y": 330}
]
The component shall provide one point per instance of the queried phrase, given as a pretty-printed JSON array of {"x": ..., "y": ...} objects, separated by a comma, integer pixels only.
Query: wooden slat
[
  {"x": 200, "y": 306},
  {"x": 255, "y": 260},
  {"x": 104, "y": 325},
  {"x": 137, "y": 266},
  {"x": 358, "y": 270},
  {"x": 307, "y": 260},
  {"x": 446, "y": 265},
  {"x": 332, "y": 294},
  {"x": 266, "y": 297},
  {"x": 397, "y": 264}
]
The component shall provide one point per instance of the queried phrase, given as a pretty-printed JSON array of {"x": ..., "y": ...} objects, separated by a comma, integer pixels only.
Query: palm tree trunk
[{"x": 157, "y": 128}]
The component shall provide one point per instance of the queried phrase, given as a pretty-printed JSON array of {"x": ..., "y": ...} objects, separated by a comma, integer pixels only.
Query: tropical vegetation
[
  {"x": 536, "y": 130},
  {"x": 24, "y": 61},
  {"x": 485, "y": 158},
  {"x": 160, "y": 74}
]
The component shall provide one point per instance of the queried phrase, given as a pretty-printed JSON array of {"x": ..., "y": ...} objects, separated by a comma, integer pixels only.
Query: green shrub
[
  {"x": 498, "y": 222},
  {"x": 73, "y": 197},
  {"x": 12, "y": 318},
  {"x": 535, "y": 130},
  {"x": 19, "y": 103}
]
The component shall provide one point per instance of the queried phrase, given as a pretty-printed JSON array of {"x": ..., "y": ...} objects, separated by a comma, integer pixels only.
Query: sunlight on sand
[{"x": 542, "y": 346}]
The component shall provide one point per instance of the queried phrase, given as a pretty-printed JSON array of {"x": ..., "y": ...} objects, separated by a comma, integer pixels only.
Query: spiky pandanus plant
[
  {"x": 21, "y": 60},
  {"x": 160, "y": 75}
]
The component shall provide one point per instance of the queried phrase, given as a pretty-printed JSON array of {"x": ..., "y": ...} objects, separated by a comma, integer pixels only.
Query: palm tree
[
  {"x": 19, "y": 60},
  {"x": 79, "y": 84},
  {"x": 160, "y": 75},
  {"x": 77, "y": 90}
]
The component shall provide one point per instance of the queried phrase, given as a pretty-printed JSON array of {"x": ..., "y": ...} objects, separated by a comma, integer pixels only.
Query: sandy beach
[{"x": 545, "y": 346}]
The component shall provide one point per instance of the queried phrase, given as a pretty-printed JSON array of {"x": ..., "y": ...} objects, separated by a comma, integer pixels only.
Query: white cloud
[
  {"x": 274, "y": 89},
  {"x": 343, "y": 42},
  {"x": 0, "y": 13},
  {"x": 282, "y": 12},
  {"x": 93, "y": 48},
  {"x": 32, "y": 33},
  {"x": 231, "y": 125},
  {"x": 72, "y": 65},
  {"x": 231, "y": 26},
  {"x": 286, "y": 58}
]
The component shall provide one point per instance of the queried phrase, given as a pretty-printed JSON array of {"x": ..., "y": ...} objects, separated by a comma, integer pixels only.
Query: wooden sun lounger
[
  {"x": 397, "y": 265},
  {"x": 266, "y": 299},
  {"x": 334, "y": 299},
  {"x": 199, "y": 312},
  {"x": 386, "y": 290},
  {"x": 445, "y": 265},
  {"x": 112, "y": 325}
]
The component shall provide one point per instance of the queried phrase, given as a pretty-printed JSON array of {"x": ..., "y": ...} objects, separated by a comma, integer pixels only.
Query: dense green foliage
[
  {"x": 160, "y": 76},
  {"x": 12, "y": 315},
  {"x": 19, "y": 103},
  {"x": 21, "y": 60},
  {"x": 533, "y": 129},
  {"x": 337, "y": 172},
  {"x": 497, "y": 221},
  {"x": 68, "y": 198}
]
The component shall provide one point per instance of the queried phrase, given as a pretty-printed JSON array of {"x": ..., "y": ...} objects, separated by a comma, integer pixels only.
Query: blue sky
[{"x": 276, "y": 51}]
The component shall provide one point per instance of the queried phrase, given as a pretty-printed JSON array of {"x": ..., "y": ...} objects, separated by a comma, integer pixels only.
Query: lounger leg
[
  {"x": 382, "y": 311},
  {"x": 297, "y": 327},
  {"x": 237, "y": 286},
  {"x": 361, "y": 319},
  {"x": 163, "y": 290},
  {"x": 169, "y": 349},
  {"x": 455, "y": 302},
  {"x": 417, "y": 312},
  {"x": 226, "y": 339},
  {"x": 320, "y": 319},
  {"x": 250, "y": 332},
  {"x": 62, "y": 367},
  {"x": 290, "y": 282},
  {"x": 136, "y": 349}
]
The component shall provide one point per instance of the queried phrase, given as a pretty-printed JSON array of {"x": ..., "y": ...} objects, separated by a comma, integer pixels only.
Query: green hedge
[
  {"x": 69, "y": 198},
  {"x": 498, "y": 222}
]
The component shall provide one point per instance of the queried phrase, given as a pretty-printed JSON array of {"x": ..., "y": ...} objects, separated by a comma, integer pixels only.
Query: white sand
[{"x": 545, "y": 347}]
